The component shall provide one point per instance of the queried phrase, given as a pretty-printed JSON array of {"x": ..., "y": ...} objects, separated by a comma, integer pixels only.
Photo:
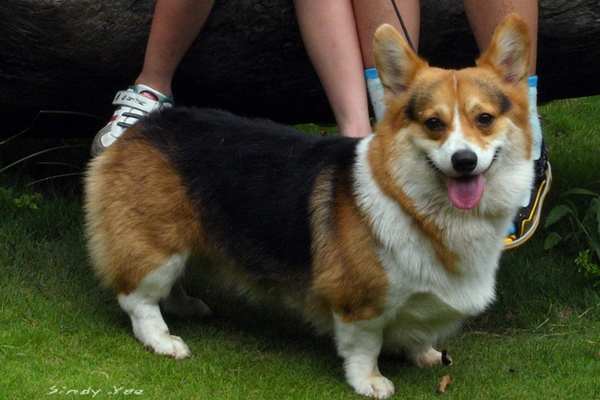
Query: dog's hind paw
[
  {"x": 429, "y": 358},
  {"x": 187, "y": 308},
  {"x": 181, "y": 305}
]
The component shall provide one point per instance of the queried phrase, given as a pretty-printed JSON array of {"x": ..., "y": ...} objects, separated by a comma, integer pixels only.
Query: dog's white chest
[
  {"x": 421, "y": 289},
  {"x": 428, "y": 306}
]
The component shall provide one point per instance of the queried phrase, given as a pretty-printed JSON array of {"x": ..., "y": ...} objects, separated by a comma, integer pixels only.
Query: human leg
[
  {"x": 175, "y": 25},
  {"x": 369, "y": 16},
  {"x": 484, "y": 19},
  {"x": 330, "y": 38}
]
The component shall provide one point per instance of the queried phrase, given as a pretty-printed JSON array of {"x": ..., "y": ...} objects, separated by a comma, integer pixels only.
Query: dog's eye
[
  {"x": 484, "y": 119},
  {"x": 434, "y": 124}
]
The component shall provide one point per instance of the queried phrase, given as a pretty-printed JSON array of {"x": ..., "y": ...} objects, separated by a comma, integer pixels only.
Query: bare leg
[
  {"x": 371, "y": 14},
  {"x": 483, "y": 20},
  {"x": 175, "y": 25},
  {"x": 330, "y": 37}
]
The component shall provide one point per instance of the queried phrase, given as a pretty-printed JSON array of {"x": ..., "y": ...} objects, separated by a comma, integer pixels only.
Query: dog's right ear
[{"x": 397, "y": 64}]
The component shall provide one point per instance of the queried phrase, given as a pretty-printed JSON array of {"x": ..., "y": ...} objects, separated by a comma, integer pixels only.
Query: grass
[{"x": 60, "y": 332}]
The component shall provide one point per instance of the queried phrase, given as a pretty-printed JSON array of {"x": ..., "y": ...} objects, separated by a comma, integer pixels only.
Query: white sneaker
[{"x": 132, "y": 105}]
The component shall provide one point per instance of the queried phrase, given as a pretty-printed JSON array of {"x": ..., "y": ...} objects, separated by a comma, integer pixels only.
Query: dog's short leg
[
  {"x": 142, "y": 306},
  {"x": 180, "y": 304},
  {"x": 359, "y": 344}
]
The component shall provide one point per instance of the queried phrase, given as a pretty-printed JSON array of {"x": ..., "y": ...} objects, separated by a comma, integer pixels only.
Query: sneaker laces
[{"x": 132, "y": 105}]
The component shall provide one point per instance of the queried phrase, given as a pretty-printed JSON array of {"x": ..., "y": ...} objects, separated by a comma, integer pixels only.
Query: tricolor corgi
[{"x": 386, "y": 242}]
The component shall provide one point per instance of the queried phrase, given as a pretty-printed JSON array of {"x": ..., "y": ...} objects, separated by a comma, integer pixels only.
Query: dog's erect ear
[
  {"x": 396, "y": 63},
  {"x": 508, "y": 52}
]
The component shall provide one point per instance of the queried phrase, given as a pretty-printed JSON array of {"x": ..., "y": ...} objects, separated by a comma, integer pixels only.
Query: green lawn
[{"x": 59, "y": 331}]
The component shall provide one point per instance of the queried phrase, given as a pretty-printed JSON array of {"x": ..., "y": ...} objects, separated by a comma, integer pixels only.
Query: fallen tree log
[{"x": 74, "y": 54}]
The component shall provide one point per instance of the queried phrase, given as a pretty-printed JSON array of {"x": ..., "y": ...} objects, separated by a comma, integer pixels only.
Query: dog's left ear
[
  {"x": 508, "y": 53},
  {"x": 397, "y": 64}
]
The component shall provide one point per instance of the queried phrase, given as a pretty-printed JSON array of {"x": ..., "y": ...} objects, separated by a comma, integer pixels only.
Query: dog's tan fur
[
  {"x": 347, "y": 273},
  {"x": 138, "y": 213}
]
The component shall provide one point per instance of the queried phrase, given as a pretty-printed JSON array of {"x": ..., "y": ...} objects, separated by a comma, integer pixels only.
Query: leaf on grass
[
  {"x": 552, "y": 240},
  {"x": 444, "y": 383},
  {"x": 556, "y": 214},
  {"x": 565, "y": 314}
]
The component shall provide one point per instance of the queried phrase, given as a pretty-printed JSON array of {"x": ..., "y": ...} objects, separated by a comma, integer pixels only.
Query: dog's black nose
[{"x": 464, "y": 161}]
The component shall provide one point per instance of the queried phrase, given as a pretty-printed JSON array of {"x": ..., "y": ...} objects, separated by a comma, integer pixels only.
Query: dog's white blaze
[
  {"x": 456, "y": 141},
  {"x": 149, "y": 327}
]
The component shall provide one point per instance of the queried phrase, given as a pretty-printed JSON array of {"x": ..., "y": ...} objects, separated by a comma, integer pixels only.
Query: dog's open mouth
[{"x": 465, "y": 192}]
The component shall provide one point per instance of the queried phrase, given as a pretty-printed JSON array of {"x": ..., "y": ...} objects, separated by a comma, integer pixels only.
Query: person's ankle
[
  {"x": 160, "y": 86},
  {"x": 149, "y": 95},
  {"x": 355, "y": 130}
]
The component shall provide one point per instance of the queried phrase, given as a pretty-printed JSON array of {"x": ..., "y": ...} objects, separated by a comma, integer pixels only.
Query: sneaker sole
[{"x": 536, "y": 217}]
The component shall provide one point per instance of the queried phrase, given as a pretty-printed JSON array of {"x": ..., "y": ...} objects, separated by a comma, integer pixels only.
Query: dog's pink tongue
[{"x": 465, "y": 193}]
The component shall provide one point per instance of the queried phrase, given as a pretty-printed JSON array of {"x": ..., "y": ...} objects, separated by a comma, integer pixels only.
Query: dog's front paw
[
  {"x": 170, "y": 345},
  {"x": 378, "y": 387}
]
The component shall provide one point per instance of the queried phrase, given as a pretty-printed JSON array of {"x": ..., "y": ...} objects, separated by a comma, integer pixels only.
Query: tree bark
[{"x": 75, "y": 54}]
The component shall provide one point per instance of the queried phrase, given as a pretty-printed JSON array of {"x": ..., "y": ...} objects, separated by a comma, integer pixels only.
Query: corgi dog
[{"x": 386, "y": 242}]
